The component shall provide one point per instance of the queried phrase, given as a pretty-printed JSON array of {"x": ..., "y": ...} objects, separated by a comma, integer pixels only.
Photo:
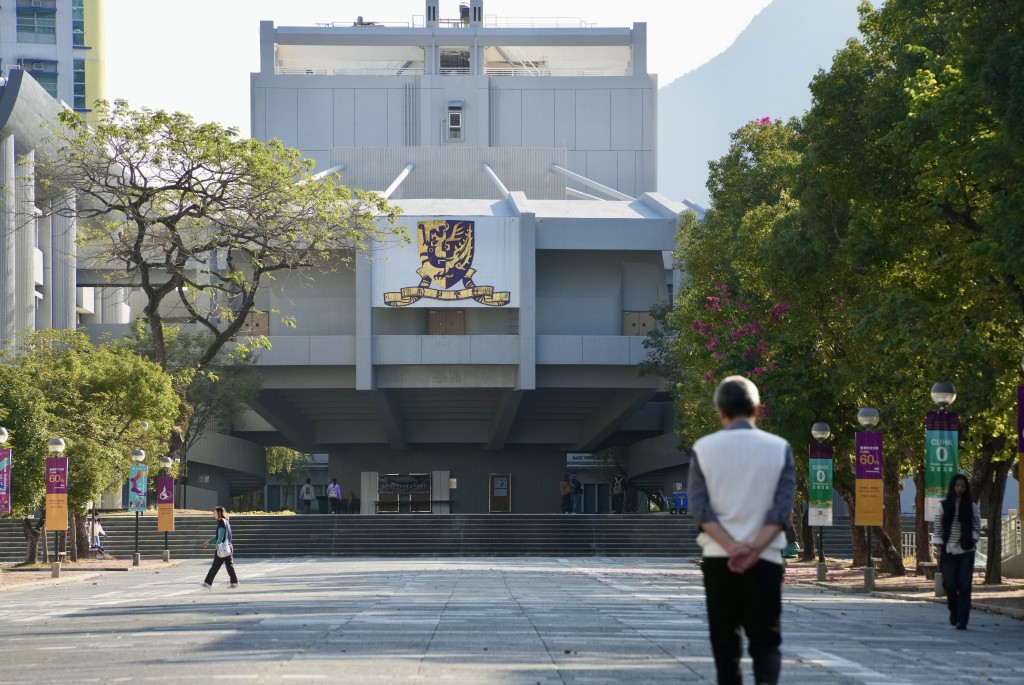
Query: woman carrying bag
[
  {"x": 961, "y": 529},
  {"x": 224, "y": 549}
]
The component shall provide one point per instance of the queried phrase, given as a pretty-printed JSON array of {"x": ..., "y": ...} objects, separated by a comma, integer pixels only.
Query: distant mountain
[{"x": 764, "y": 73}]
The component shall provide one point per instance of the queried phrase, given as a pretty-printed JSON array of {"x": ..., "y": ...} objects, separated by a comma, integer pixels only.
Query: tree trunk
[
  {"x": 80, "y": 534},
  {"x": 32, "y": 537},
  {"x": 806, "y": 536},
  {"x": 988, "y": 485},
  {"x": 922, "y": 531},
  {"x": 889, "y": 552},
  {"x": 891, "y": 507}
]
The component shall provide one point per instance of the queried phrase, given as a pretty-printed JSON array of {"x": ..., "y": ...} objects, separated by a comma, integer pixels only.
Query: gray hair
[{"x": 737, "y": 397}]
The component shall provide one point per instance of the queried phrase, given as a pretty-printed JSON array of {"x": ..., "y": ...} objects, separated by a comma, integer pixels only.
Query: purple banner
[
  {"x": 869, "y": 456},
  {"x": 1020, "y": 422},
  {"x": 165, "y": 490},
  {"x": 819, "y": 451},
  {"x": 942, "y": 421},
  {"x": 5, "y": 480},
  {"x": 56, "y": 475}
]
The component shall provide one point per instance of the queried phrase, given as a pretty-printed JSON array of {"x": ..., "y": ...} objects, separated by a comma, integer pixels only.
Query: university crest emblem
[{"x": 446, "y": 257}]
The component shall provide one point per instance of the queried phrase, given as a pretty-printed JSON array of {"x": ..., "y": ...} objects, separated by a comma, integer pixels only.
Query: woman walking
[
  {"x": 223, "y": 549},
  {"x": 961, "y": 528}
]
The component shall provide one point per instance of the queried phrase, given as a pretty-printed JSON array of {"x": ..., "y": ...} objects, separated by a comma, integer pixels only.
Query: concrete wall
[
  {"x": 586, "y": 292},
  {"x": 321, "y": 303},
  {"x": 535, "y": 472},
  {"x": 606, "y": 124}
]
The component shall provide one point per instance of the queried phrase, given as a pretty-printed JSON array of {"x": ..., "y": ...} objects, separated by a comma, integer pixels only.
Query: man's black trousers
[{"x": 751, "y": 601}]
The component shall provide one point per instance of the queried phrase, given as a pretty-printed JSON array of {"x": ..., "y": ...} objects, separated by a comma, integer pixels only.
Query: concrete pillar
[
  {"x": 44, "y": 307},
  {"x": 365, "y": 378},
  {"x": 112, "y": 305},
  {"x": 25, "y": 245},
  {"x": 63, "y": 237},
  {"x": 7, "y": 244},
  {"x": 527, "y": 301}
]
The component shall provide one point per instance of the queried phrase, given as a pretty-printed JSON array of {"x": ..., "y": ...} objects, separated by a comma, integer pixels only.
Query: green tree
[
  {"x": 105, "y": 400},
  {"x": 23, "y": 413}
]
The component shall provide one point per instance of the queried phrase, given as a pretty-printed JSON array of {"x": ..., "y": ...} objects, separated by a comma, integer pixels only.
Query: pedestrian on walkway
[
  {"x": 307, "y": 496},
  {"x": 96, "y": 534},
  {"x": 334, "y": 496},
  {"x": 577, "y": 494},
  {"x": 619, "y": 487},
  {"x": 741, "y": 486},
  {"x": 565, "y": 493},
  {"x": 961, "y": 529},
  {"x": 224, "y": 549}
]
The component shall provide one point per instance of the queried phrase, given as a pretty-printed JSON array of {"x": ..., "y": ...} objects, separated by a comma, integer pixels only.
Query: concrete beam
[
  {"x": 609, "y": 417},
  {"x": 286, "y": 420},
  {"x": 388, "y": 414},
  {"x": 504, "y": 417}
]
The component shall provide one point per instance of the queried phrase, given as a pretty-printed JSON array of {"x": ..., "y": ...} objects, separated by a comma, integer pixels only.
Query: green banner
[
  {"x": 940, "y": 465},
  {"x": 819, "y": 485}
]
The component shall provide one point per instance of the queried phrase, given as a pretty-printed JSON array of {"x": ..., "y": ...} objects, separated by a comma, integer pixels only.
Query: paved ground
[{"x": 466, "y": 621}]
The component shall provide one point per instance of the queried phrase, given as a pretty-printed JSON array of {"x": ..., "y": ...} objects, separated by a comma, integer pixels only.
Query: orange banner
[
  {"x": 869, "y": 502},
  {"x": 165, "y": 518},
  {"x": 57, "y": 512}
]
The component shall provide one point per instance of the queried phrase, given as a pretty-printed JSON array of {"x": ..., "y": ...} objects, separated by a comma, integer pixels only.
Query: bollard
[
  {"x": 869, "y": 578},
  {"x": 167, "y": 555},
  {"x": 822, "y": 572},
  {"x": 55, "y": 569},
  {"x": 939, "y": 590},
  {"x": 136, "y": 559}
]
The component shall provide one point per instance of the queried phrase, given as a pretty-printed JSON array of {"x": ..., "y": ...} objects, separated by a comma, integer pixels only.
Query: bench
[{"x": 928, "y": 569}]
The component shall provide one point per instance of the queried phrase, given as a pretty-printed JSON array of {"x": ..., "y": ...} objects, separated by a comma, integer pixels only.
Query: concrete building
[
  {"x": 501, "y": 345},
  {"x": 59, "y": 42}
]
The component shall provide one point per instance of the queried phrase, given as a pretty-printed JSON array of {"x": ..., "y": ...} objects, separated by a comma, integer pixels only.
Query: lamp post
[
  {"x": 941, "y": 456},
  {"x": 57, "y": 494},
  {"x": 867, "y": 417},
  {"x": 821, "y": 432},
  {"x": 165, "y": 470},
  {"x": 138, "y": 456}
]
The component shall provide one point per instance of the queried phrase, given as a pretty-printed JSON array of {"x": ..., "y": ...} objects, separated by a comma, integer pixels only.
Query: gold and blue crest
[{"x": 446, "y": 258}]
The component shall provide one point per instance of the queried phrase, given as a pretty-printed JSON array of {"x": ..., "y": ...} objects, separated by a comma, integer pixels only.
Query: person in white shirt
[
  {"x": 741, "y": 487},
  {"x": 307, "y": 496}
]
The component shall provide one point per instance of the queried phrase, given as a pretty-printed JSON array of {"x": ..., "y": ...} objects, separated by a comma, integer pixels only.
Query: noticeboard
[{"x": 499, "y": 493}]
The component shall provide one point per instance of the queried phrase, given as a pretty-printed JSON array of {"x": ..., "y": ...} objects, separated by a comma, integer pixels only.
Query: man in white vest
[{"x": 741, "y": 488}]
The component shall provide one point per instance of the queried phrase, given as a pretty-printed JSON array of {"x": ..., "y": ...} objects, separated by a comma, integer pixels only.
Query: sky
[{"x": 195, "y": 56}]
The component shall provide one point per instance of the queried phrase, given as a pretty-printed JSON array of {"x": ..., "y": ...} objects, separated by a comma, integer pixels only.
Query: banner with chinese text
[
  {"x": 165, "y": 504},
  {"x": 5, "y": 481},
  {"x": 138, "y": 486},
  {"x": 57, "y": 493},
  {"x": 868, "y": 454}
]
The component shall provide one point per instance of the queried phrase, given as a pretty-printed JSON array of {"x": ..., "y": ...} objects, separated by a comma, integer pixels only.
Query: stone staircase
[{"x": 399, "y": 535}]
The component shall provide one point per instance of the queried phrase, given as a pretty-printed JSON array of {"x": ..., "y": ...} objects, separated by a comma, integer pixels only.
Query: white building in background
[{"x": 508, "y": 333}]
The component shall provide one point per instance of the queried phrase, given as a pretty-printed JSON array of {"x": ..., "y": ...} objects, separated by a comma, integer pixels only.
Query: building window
[
  {"x": 454, "y": 120},
  {"x": 80, "y": 103},
  {"x": 37, "y": 26},
  {"x": 78, "y": 23},
  {"x": 48, "y": 82}
]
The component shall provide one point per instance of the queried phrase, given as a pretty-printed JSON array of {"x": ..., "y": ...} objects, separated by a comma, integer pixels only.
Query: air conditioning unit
[
  {"x": 37, "y": 3},
  {"x": 38, "y": 66},
  {"x": 455, "y": 120}
]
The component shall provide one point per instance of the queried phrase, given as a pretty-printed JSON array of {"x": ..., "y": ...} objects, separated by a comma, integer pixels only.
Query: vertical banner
[
  {"x": 164, "y": 504},
  {"x": 57, "y": 493},
  {"x": 819, "y": 485},
  {"x": 942, "y": 459},
  {"x": 138, "y": 486},
  {"x": 869, "y": 479},
  {"x": 5, "y": 481}
]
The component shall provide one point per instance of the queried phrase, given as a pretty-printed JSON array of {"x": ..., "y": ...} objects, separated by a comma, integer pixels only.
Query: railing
[
  {"x": 492, "y": 21},
  {"x": 558, "y": 71},
  {"x": 387, "y": 70},
  {"x": 909, "y": 545}
]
